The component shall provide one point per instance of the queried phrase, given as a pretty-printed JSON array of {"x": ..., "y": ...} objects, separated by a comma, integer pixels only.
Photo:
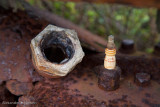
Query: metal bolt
[
  {"x": 109, "y": 80},
  {"x": 142, "y": 79},
  {"x": 127, "y": 46}
]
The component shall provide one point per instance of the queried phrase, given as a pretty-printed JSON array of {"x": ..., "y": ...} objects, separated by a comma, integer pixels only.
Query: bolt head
[
  {"x": 142, "y": 79},
  {"x": 127, "y": 46}
]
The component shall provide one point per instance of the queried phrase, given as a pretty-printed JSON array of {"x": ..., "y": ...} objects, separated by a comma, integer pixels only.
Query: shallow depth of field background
[{"x": 124, "y": 22}]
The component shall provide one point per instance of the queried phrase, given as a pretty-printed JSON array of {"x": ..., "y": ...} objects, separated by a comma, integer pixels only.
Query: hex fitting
[
  {"x": 56, "y": 51},
  {"x": 109, "y": 80}
]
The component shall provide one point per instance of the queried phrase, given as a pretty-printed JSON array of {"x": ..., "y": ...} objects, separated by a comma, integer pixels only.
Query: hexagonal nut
[{"x": 56, "y": 51}]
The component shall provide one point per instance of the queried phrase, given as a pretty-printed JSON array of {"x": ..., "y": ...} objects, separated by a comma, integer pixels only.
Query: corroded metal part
[
  {"x": 109, "y": 80},
  {"x": 142, "y": 79},
  {"x": 127, "y": 46},
  {"x": 56, "y": 51},
  {"x": 15, "y": 54}
]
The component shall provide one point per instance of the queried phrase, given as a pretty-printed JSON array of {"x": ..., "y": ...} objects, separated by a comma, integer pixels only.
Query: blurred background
[{"x": 122, "y": 21}]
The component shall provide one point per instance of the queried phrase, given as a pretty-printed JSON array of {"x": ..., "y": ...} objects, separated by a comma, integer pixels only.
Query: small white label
[{"x": 110, "y": 62}]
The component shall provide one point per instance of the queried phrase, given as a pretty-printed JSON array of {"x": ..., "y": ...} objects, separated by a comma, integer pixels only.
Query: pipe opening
[
  {"x": 54, "y": 54},
  {"x": 57, "y": 47}
]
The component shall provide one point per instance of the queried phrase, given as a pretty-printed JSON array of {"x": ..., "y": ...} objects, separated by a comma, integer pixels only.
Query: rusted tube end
[
  {"x": 56, "y": 51},
  {"x": 142, "y": 79},
  {"x": 109, "y": 80},
  {"x": 157, "y": 49},
  {"x": 127, "y": 46}
]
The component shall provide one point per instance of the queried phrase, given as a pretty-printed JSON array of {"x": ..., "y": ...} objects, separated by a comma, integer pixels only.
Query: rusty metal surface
[
  {"x": 79, "y": 88},
  {"x": 134, "y": 63},
  {"x": 16, "y": 32}
]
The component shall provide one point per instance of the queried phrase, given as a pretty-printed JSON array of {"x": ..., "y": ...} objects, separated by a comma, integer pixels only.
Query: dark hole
[
  {"x": 54, "y": 54},
  {"x": 57, "y": 47}
]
